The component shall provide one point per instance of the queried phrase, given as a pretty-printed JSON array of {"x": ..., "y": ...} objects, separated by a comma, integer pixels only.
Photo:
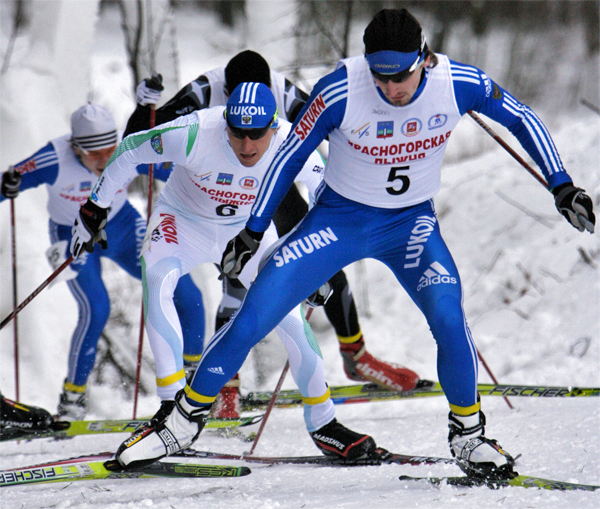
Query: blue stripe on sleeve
[
  {"x": 40, "y": 168},
  {"x": 322, "y": 113},
  {"x": 475, "y": 91}
]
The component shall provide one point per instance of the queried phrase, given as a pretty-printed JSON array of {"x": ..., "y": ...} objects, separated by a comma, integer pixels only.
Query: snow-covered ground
[{"x": 532, "y": 296}]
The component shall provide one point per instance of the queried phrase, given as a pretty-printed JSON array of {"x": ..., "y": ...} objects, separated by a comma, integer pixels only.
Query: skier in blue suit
[
  {"x": 376, "y": 201},
  {"x": 69, "y": 166}
]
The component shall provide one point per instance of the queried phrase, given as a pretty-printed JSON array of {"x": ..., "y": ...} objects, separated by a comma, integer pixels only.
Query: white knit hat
[{"x": 93, "y": 128}]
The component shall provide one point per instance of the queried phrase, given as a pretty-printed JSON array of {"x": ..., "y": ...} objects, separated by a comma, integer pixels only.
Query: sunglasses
[
  {"x": 400, "y": 77},
  {"x": 253, "y": 134}
]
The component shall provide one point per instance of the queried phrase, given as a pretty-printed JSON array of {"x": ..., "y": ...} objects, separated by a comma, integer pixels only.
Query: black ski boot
[
  {"x": 336, "y": 440},
  {"x": 18, "y": 419}
]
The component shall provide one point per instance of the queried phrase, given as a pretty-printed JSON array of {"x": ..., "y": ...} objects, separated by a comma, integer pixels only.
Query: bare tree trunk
[
  {"x": 18, "y": 21},
  {"x": 132, "y": 30}
]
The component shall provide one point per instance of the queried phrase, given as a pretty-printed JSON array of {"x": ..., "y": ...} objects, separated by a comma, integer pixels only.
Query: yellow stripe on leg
[
  {"x": 466, "y": 410},
  {"x": 171, "y": 379},
  {"x": 68, "y": 386},
  {"x": 350, "y": 339},
  {"x": 198, "y": 398},
  {"x": 317, "y": 400}
]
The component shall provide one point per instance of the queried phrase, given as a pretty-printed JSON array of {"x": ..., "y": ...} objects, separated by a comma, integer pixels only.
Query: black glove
[
  {"x": 11, "y": 183},
  {"x": 148, "y": 91},
  {"x": 321, "y": 296},
  {"x": 89, "y": 228},
  {"x": 576, "y": 206},
  {"x": 238, "y": 252}
]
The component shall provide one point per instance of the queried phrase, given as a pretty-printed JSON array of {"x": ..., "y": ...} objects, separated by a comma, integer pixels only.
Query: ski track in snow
[{"x": 532, "y": 302}]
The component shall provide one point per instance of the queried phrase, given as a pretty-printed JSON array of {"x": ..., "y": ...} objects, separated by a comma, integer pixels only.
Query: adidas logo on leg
[{"x": 436, "y": 274}]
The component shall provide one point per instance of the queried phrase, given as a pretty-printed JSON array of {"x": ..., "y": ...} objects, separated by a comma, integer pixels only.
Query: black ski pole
[
  {"x": 591, "y": 106},
  {"x": 13, "y": 245}
]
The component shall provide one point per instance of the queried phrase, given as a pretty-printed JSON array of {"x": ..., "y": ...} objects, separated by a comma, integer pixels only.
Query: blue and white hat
[
  {"x": 93, "y": 128},
  {"x": 251, "y": 106}
]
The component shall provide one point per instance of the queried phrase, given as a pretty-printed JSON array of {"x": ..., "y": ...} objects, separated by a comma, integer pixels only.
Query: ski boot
[
  {"x": 334, "y": 439},
  {"x": 73, "y": 403},
  {"x": 361, "y": 366},
  {"x": 175, "y": 433},
  {"x": 227, "y": 404},
  {"x": 19, "y": 420},
  {"x": 476, "y": 455},
  {"x": 166, "y": 407}
]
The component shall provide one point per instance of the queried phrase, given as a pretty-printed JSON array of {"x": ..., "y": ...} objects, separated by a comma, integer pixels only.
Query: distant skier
[
  {"x": 70, "y": 166},
  {"x": 212, "y": 89},
  {"x": 376, "y": 202}
]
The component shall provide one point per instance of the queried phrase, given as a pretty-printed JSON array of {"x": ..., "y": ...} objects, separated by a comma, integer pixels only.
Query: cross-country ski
[
  {"x": 523, "y": 481},
  {"x": 65, "y": 429},
  {"x": 98, "y": 469},
  {"x": 370, "y": 392}
]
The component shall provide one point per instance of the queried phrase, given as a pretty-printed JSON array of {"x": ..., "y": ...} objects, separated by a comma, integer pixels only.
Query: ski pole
[
  {"x": 492, "y": 375},
  {"x": 507, "y": 147},
  {"x": 13, "y": 244},
  {"x": 270, "y": 406},
  {"x": 52, "y": 277},
  {"x": 274, "y": 396},
  {"x": 138, "y": 368},
  {"x": 592, "y": 107},
  {"x": 539, "y": 178}
]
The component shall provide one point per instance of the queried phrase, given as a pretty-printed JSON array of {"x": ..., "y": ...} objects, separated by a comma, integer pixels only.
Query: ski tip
[{"x": 244, "y": 471}]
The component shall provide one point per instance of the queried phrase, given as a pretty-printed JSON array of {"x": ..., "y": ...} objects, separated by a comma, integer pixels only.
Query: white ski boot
[
  {"x": 72, "y": 405},
  {"x": 175, "y": 433},
  {"x": 475, "y": 454}
]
